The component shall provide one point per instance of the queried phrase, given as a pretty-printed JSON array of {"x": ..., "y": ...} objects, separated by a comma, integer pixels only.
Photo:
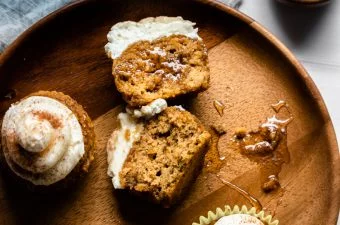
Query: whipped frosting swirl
[
  {"x": 42, "y": 140},
  {"x": 239, "y": 219}
]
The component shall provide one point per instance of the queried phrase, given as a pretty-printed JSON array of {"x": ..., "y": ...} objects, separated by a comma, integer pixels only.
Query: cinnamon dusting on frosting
[
  {"x": 41, "y": 139},
  {"x": 55, "y": 122}
]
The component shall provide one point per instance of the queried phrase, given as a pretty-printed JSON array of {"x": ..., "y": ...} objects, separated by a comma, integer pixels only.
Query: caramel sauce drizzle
[
  {"x": 267, "y": 146},
  {"x": 252, "y": 200},
  {"x": 213, "y": 162},
  {"x": 279, "y": 105},
  {"x": 219, "y": 106}
]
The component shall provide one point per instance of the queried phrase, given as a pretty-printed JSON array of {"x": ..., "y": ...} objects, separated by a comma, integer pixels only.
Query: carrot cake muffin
[
  {"x": 157, "y": 157},
  {"x": 161, "y": 57},
  {"x": 236, "y": 216},
  {"x": 47, "y": 137}
]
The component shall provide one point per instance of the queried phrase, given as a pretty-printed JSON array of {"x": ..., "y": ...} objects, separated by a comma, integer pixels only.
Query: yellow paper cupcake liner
[{"x": 213, "y": 217}]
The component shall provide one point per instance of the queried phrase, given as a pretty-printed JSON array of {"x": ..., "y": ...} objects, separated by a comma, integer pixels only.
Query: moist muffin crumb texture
[
  {"x": 166, "y": 158},
  {"x": 163, "y": 68}
]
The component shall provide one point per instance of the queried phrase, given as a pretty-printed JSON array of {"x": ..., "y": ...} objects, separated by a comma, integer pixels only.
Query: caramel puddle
[{"x": 267, "y": 146}]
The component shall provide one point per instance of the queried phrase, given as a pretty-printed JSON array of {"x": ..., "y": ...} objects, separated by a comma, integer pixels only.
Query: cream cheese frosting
[
  {"x": 121, "y": 140},
  {"x": 239, "y": 219},
  {"x": 42, "y": 140},
  {"x": 119, "y": 145},
  {"x": 149, "y": 110},
  {"x": 125, "y": 33}
]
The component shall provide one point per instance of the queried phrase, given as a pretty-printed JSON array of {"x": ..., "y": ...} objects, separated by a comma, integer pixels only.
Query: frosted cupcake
[
  {"x": 47, "y": 138},
  {"x": 236, "y": 216}
]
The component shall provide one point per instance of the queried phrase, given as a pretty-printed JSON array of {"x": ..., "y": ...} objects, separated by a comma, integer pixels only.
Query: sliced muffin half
[
  {"x": 160, "y": 57},
  {"x": 157, "y": 158}
]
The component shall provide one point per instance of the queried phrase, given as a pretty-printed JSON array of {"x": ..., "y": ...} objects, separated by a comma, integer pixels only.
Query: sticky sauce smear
[
  {"x": 219, "y": 106},
  {"x": 213, "y": 162},
  {"x": 267, "y": 146},
  {"x": 252, "y": 200},
  {"x": 279, "y": 105}
]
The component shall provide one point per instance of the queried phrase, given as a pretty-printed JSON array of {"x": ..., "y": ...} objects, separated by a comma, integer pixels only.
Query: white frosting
[
  {"x": 125, "y": 33},
  {"x": 49, "y": 132},
  {"x": 119, "y": 145},
  {"x": 33, "y": 134},
  {"x": 149, "y": 110},
  {"x": 239, "y": 219},
  {"x": 121, "y": 141}
]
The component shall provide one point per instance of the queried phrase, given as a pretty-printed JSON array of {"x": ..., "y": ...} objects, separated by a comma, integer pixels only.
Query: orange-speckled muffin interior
[
  {"x": 164, "y": 68},
  {"x": 167, "y": 157}
]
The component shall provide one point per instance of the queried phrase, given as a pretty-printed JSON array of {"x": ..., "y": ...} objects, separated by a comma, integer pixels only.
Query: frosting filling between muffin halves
[
  {"x": 121, "y": 140},
  {"x": 42, "y": 140},
  {"x": 119, "y": 145},
  {"x": 149, "y": 110}
]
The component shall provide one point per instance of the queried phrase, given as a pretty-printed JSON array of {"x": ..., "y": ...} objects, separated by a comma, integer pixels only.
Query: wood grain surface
[{"x": 250, "y": 70}]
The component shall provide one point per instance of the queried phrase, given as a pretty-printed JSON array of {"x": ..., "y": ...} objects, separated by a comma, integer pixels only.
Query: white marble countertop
[{"x": 313, "y": 35}]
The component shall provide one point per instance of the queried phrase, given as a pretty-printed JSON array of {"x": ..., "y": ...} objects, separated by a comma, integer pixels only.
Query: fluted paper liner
[{"x": 213, "y": 217}]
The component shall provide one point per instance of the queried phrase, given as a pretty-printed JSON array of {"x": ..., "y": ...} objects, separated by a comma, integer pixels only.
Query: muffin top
[{"x": 126, "y": 33}]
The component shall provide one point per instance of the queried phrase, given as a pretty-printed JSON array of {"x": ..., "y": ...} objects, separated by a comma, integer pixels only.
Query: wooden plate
[{"x": 250, "y": 70}]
